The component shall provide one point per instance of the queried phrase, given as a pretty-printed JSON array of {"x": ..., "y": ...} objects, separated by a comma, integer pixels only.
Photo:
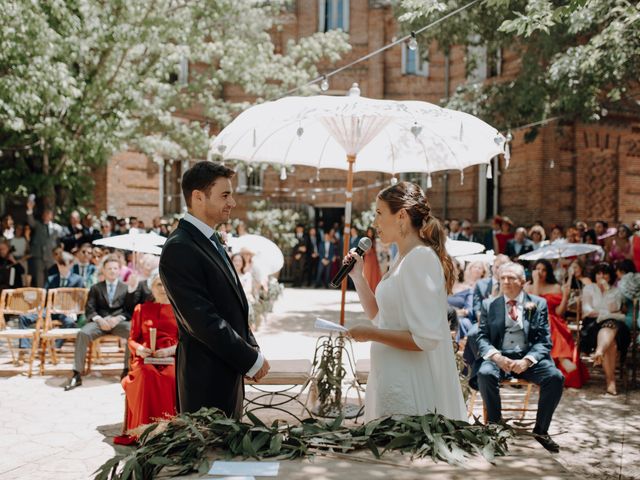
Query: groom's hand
[
  {"x": 262, "y": 372},
  {"x": 504, "y": 363},
  {"x": 520, "y": 366}
]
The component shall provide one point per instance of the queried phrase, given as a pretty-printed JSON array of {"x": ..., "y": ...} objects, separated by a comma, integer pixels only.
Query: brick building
[{"x": 578, "y": 171}]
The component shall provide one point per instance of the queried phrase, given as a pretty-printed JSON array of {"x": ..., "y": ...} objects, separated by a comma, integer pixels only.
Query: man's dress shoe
[
  {"x": 75, "y": 381},
  {"x": 547, "y": 442}
]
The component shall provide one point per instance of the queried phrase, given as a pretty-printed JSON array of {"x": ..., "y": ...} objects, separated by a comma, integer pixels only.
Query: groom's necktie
[{"x": 222, "y": 253}]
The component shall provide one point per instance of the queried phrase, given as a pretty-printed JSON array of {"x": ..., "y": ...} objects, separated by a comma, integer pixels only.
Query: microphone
[{"x": 363, "y": 245}]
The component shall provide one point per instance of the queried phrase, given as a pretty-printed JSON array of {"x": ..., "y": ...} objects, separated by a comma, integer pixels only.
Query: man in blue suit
[
  {"x": 64, "y": 278},
  {"x": 326, "y": 252},
  {"x": 514, "y": 341}
]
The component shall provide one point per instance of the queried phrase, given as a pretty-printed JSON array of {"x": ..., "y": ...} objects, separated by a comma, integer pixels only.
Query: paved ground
[{"x": 48, "y": 433}]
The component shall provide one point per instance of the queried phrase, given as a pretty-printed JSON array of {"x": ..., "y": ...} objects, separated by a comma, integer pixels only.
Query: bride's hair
[{"x": 410, "y": 196}]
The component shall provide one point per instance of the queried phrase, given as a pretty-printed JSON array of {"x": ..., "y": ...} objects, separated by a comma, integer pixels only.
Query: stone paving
[{"x": 48, "y": 433}]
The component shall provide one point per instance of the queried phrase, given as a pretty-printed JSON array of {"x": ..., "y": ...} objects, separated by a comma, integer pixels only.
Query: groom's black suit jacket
[{"x": 216, "y": 347}]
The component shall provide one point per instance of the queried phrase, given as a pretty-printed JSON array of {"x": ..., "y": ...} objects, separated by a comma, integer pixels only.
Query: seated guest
[
  {"x": 65, "y": 278},
  {"x": 83, "y": 267},
  {"x": 619, "y": 247},
  {"x": 486, "y": 290},
  {"x": 557, "y": 233},
  {"x": 19, "y": 243},
  {"x": 467, "y": 232},
  {"x": 538, "y": 236},
  {"x": 56, "y": 254},
  {"x": 514, "y": 341},
  {"x": 108, "y": 312},
  {"x": 604, "y": 331},
  {"x": 151, "y": 389},
  {"x": 578, "y": 275},
  {"x": 505, "y": 234},
  {"x": 461, "y": 297},
  {"x": 11, "y": 272},
  {"x": 519, "y": 244},
  {"x": 488, "y": 287},
  {"x": 563, "y": 350}
]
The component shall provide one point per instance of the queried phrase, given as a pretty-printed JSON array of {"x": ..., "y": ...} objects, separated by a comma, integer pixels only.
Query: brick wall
[{"x": 569, "y": 172}]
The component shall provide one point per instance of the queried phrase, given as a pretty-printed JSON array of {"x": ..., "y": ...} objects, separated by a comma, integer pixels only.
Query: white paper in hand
[{"x": 323, "y": 324}]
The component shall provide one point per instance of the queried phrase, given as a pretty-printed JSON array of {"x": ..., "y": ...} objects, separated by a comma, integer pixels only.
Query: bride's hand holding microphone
[{"x": 359, "y": 333}]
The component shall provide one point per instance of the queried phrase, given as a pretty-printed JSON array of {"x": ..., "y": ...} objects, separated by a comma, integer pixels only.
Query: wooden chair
[
  {"x": 114, "y": 353},
  {"x": 65, "y": 301},
  {"x": 634, "y": 341},
  {"x": 22, "y": 301},
  {"x": 513, "y": 400}
]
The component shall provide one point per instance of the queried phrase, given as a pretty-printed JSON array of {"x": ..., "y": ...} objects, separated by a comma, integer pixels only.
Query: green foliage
[
  {"x": 331, "y": 372},
  {"x": 84, "y": 79},
  {"x": 277, "y": 224},
  {"x": 179, "y": 446},
  {"x": 576, "y": 56}
]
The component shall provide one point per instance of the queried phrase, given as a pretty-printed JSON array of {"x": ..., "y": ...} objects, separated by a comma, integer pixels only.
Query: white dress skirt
[{"x": 412, "y": 296}]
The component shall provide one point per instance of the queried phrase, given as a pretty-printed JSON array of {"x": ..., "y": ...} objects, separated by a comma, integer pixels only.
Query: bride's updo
[{"x": 410, "y": 196}]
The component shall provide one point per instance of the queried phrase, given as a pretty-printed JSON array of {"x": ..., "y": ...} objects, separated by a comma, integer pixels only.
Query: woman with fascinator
[{"x": 413, "y": 368}]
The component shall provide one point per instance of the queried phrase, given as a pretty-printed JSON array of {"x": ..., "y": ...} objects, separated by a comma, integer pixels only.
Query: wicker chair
[
  {"x": 22, "y": 301},
  {"x": 65, "y": 301}
]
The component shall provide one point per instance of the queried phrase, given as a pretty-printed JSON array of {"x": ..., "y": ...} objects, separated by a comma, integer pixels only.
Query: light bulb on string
[
  {"x": 318, "y": 175},
  {"x": 413, "y": 43},
  {"x": 489, "y": 172},
  {"x": 552, "y": 163},
  {"x": 324, "y": 84},
  {"x": 429, "y": 182},
  {"x": 394, "y": 180},
  {"x": 283, "y": 173}
]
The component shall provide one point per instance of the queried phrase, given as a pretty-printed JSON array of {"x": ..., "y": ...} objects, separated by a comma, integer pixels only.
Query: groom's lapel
[{"x": 206, "y": 245}]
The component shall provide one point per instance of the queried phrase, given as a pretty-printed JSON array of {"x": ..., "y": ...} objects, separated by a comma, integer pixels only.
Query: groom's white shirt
[{"x": 207, "y": 231}]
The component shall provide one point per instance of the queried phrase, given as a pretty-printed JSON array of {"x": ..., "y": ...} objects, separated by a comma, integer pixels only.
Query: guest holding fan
[{"x": 151, "y": 388}]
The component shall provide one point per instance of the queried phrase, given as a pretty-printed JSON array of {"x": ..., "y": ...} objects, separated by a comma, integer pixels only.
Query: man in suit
[
  {"x": 11, "y": 271},
  {"x": 326, "y": 252},
  {"x": 299, "y": 262},
  {"x": 519, "y": 244},
  {"x": 455, "y": 232},
  {"x": 65, "y": 278},
  {"x": 514, "y": 341},
  {"x": 83, "y": 267},
  {"x": 467, "y": 232},
  {"x": 109, "y": 308},
  {"x": 313, "y": 257},
  {"x": 216, "y": 348},
  {"x": 45, "y": 236}
]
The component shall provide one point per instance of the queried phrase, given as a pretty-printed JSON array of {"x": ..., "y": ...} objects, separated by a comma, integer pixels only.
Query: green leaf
[{"x": 256, "y": 421}]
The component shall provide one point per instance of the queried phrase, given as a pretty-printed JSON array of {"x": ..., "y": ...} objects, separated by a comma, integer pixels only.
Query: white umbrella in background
[
  {"x": 561, "y": 249},
  {"x": 268, "y": 257},
  {"x": 134, "y": 242},
  {"x": 487, "y": 257},
  {"x": 358, "y": 134},
  {"x": 458, "y": 248}
]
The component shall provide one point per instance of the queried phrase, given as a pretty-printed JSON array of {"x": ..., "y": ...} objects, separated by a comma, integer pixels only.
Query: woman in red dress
[
  {"x": 151, "y": 389},
  {"x": 501, "y": 238},
  {"x": 371, "y": 265},
  {"x": 563, "y": 349}
]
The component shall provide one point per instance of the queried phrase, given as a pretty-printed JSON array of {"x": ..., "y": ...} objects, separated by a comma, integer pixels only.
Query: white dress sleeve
[{"x": 421, "y": 282}]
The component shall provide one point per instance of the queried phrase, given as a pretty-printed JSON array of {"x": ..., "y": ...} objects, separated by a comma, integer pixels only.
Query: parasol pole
[{"x": 347, "y": 229}]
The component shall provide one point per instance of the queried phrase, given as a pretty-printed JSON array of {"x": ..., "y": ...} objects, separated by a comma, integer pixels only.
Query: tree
[
  {"x": 83, "y": 79},
  {"x": 578, "y": 56}
]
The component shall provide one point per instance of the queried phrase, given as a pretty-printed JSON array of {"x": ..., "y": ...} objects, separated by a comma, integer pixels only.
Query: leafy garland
[
  {"x": 327, "y": 362},
  {"x": 179, "y": 446}
]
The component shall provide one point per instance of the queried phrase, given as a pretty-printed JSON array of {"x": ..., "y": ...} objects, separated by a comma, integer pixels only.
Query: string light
[
  {"x": 324, "y": 84},
  {"x": 407, "y": 38},
  {"x": 413, "y": 43}
]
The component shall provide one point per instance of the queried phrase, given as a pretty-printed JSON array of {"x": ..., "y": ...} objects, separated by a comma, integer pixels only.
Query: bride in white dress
[{"x": 413, "y": 369}]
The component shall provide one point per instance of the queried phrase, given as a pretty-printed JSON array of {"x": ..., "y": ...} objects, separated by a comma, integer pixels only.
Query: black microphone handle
[{"x": 345, "y": 269}]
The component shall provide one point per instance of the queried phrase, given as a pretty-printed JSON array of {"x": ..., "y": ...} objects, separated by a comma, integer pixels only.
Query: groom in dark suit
[
  {"x": 514, "y": 340},
  {"x": 216, "y": 349}
]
